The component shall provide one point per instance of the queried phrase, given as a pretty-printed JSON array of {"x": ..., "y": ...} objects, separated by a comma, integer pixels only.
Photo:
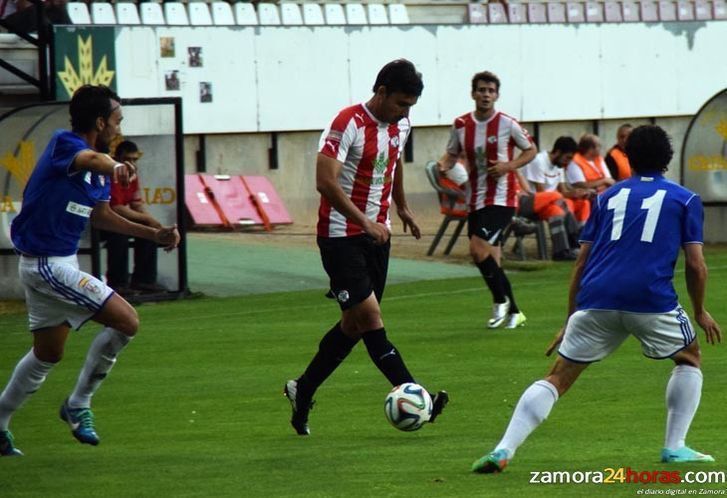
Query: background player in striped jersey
[
  {"x": 69, "y": 186},
  {"x": 358, "y": 172},
  {"x": 488, "y": 138},
  {"x": 623, "y": 285}
]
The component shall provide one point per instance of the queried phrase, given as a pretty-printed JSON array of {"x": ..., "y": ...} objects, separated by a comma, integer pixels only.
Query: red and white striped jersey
[
  {"x": 484, "y": 143},
  {"x": 369, "y": 150}
]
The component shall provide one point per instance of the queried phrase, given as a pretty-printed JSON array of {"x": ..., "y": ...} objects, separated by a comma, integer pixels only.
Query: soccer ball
[{"x": 408, "y": 407}]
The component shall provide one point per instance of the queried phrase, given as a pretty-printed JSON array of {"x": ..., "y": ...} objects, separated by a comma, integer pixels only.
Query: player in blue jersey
[
  {"x": 623, "y": 285},
  {"x": 69, "y": 186}
]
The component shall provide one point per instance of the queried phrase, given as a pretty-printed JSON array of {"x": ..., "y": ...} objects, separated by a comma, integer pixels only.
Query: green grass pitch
[{"x": 194, "y": 406}]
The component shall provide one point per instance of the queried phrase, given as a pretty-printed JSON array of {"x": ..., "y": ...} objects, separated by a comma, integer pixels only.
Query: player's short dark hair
[
  {"x": 126, "y": 147},
  {"x": 88, "y": 103},
  {"x": 487, "y": 77},
  {"x": 649, "y": 149},
  {"x": 400, "y": 75},
  {"x": 566, "y": 145},
  {"x": 587, "y": 142}
]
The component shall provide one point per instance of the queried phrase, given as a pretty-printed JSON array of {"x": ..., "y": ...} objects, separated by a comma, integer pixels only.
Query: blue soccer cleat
[
  {"x": 684, "y": 455},
  {"x": 492, "y": 463},
  {"x": 81, "y": 422},
  {"x": 7, "y": 448}
]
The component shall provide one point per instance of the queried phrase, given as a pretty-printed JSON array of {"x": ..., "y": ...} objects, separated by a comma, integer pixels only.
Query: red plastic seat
[
  {"x": 667, "y": 11},
  {"x": 556, "y": 12},
  {"x": 477, "y": 13},
  {"x": 575, "y": 12},
  {"x": 536, "y": 13}
]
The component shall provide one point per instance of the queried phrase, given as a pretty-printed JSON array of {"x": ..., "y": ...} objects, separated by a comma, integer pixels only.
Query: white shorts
[
  {"x": 591, "y": 335},
  {"x": 56, "y": 292}
]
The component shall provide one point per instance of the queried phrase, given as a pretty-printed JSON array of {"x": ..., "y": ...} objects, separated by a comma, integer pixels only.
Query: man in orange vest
[
  {"x": 588, "y": 169},
  {"x": 616, "y": 160}
]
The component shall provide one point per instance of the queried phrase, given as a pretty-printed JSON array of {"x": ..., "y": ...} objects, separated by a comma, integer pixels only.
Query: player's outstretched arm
[
  {"x": 136, "y": 215},
  {"x": 695, "y": 271},
  {"x": 89, "y": 160},
  {"x": 402, "y": 209},
  {"x": 104, "y": 218},
  {"x": 327, "y": 173}
]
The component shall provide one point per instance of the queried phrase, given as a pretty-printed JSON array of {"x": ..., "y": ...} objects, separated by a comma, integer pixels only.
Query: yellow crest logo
[
  {"x": 85, "y": 75},
  {"x": 20, "y": 166}
]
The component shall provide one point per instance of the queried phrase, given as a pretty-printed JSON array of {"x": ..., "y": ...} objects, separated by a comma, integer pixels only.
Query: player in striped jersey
[
  {"x": 358, "y": 173},
  {"x": 489, "y": 139}
]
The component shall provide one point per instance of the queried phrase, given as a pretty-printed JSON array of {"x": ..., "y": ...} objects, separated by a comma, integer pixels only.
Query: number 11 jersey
[{"x": 636, "y": 229}]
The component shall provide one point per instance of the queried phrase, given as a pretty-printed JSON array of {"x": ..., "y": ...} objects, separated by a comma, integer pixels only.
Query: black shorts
[
  {"x": 489, "y": 223},
  {"x": 355, "y": 267}
]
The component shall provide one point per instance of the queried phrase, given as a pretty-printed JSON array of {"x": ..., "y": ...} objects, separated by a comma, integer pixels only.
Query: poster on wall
[
  {"x": 205, "y": 92},
  {"x": 83, "y": 56},
  {"x": 166, "y": 46},
  {"x": 171, "y": 80},
  {"x": 195, "y": 56},
  {"x": 704, "y": 155}
]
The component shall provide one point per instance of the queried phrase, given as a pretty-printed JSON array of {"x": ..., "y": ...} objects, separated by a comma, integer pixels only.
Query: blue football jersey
[
  {"x": 637, "y": 228},
  {"x": 57, "y": 202}
]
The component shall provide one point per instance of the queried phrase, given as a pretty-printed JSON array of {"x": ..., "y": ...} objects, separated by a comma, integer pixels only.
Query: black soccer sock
[
  {"x": 332, "y": 350},
  {"x": 508, "y": 291},
  {"x": 386, "y": 357},
  {"x": 490, "y": 271}
]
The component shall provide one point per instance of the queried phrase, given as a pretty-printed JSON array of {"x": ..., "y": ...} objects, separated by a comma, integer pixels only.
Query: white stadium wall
[
  {"x": 292, "y": 80},
  {"x": 296, "y": 78}
]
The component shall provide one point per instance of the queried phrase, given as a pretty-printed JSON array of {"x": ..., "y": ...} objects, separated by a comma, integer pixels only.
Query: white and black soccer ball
[{"x": 408, "y": 407}]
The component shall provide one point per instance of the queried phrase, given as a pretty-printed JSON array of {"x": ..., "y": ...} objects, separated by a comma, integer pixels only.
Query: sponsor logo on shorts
[
  {"x": 89, "y": 285},
  {"x": 342, "y": 296},
  {"x": 79, "y": 209}
]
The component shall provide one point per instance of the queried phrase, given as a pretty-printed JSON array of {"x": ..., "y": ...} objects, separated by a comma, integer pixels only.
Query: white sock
[
  {"x": 27, "y": 377},
  {"x": 682, "y": 399},
  {"x": 534, "y": 406},
  {"x": 99, "y": 361}
]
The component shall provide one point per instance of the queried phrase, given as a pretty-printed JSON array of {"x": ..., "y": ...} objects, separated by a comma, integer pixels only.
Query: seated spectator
[
  {"x": 616, "y": 160},
  {"x": 127, "y": 202},
  {"x": 25, "y": 19},
  {"x": 588, "y": 169},
  {"x": 548, "y": 197}
]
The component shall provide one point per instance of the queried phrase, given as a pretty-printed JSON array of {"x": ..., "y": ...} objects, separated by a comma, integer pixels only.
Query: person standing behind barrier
[
  {"x": 127, "y": 202},
  {"x": 588, "y": 169},
  {"x": 565, "y": 209},
  {"x": 616, "y": 159},
  {"x": 69, "y": 186},
  {"x": 488, "y": 138},
  {"x": 358, "y": 173}
]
